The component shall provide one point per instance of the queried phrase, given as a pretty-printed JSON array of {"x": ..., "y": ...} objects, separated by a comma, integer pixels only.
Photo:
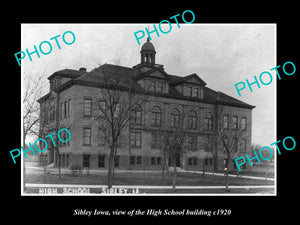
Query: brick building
[{"x": 70, "y": 104}]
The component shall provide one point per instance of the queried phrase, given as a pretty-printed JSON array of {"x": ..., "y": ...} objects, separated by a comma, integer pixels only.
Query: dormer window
[
  {"x": 159, "y": 87},
  {"x": 196, "y": 92},
  {"x": 156, "y": 86},
  {"x": 152, "y": 86},
  {"x": 189, "y": 91}
]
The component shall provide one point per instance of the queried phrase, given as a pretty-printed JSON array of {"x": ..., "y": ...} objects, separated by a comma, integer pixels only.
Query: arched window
[
  {"x": 208, "y": 122},
  {"x": 193, "y": 120},
  {"x": 136, "y": 115},
  {"x": 156, "y": 116},
  {"x": 175, "y": 118}
]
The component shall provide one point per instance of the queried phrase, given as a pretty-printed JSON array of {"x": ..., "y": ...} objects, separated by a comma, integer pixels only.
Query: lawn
[{"x": 143, "y": 178}]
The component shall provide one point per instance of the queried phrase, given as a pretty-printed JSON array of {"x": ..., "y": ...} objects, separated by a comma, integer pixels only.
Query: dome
[{"x": 148, "y": 46}]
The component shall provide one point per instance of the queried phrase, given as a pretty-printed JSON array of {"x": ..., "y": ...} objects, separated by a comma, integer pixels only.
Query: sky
[{"x": 221, "y": 54}]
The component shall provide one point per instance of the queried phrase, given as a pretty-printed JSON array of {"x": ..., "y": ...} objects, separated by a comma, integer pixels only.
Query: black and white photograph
[
  {"x": 158, "y": 114},
  {"x": 106, "y": 115}
]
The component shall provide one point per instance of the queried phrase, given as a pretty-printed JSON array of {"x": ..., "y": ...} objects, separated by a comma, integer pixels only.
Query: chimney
[{"x": 82, "y": 69}]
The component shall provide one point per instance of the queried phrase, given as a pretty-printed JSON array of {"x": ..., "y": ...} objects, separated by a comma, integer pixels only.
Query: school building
[{"x": 70, "y": 104}]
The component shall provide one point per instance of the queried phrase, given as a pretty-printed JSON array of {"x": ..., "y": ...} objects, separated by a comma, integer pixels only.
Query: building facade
[{"x": 71, "y": 104}]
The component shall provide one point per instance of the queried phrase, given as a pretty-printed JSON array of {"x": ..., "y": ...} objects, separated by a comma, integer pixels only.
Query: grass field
[{"x": 143, "y": 178}]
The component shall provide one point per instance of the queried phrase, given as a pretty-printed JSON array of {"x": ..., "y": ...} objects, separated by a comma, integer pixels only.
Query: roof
[
  {"x": 127, "y": 78},
  {"x": 67, "y": 73},
  {"x": 175, "y": 80},
  {"x": 113, "y": 73}
]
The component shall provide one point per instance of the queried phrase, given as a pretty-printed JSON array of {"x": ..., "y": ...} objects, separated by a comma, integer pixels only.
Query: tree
[
  {"x": 31, "y": 114},
  {"x": 173, "y": 142},
  {"x": 116, "y": 100},
  {"x": 230, "y": 135}
]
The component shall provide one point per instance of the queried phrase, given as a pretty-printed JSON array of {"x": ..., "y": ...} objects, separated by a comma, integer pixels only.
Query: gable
[
  {"x": 157, "y": 74},
  {"x": 193, "y": 80},
  {"x": 154, "y": 73},
  {"x": 190, "y": 79}
]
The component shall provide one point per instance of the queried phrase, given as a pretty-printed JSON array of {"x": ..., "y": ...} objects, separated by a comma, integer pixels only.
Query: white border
[{"x": 164, "y": 194}]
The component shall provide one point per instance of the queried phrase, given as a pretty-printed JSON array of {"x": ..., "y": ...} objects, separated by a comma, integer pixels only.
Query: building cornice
[{"x": 153, "y": 94}]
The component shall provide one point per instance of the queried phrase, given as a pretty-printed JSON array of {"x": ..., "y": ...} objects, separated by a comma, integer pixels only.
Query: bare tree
[
  {"x": 31, "y": 116},
  {"x": 32, "y": 90},
  {"x": 115, "y": 101},
  {"x": 174, "y": 140},
  {"x": 229, "y": 135},
  {"x": 52, "y": 120}
]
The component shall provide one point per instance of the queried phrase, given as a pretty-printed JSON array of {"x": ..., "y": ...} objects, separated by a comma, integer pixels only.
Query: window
[
  {"x": 67, "y": 160},
  {"x": 102, "y": 107},
  {"x": 101, "y": 161},
  {"x": 139, "y": 160},
  {"x": 189, "y": 91},
  {"x": 136, "y": 115},
  {"x": 66, "y": 109},
  {"x": 192, "y": 161},
  {"x": 132, "y": 160},
  {"x": 235, "y": 144},
  {"x": 159, "y": 87},
  {"x": 156, "y": 116},
  {"x": 135, "y": 139},
  {"x": 69, "y": 107},
  {"x": 226, "y": 122},
  {"x": 201, "y": 93},
  {"x": 101, "y": 138},
  {"x": 61, "y": 110},
  {"x": 116, "y": 109},
  {"x": 155, "y": 161},
  {"x": 87, "y": 107},
  {"x": 196, "y": 92},
  {"x": 86, "y": 161},
  {"x": 193, "y": 120},
  {"x": 155, "y": 140},
  {"x": 86, "y": 136},
  {"x": 225, "y": 143},
  {"x": 208, "y": 162},
  {"x": 175, "y": 118},
  {"x": 234, "y": 122},
  {"x": 64, "y": 136},
  {"x": 158, "y": 160},
  {"x": 243, "y": 145},
  {"x": 192, "y": 142},
  {"x": 244, "y": 123},
  {"x": 135, "y": 160},
  {"x": 152, "y": 86},
  {"x": 209, "y": 145},
  {"x": 116, "y": 161},
  {"x": 208, "y": 123}
]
